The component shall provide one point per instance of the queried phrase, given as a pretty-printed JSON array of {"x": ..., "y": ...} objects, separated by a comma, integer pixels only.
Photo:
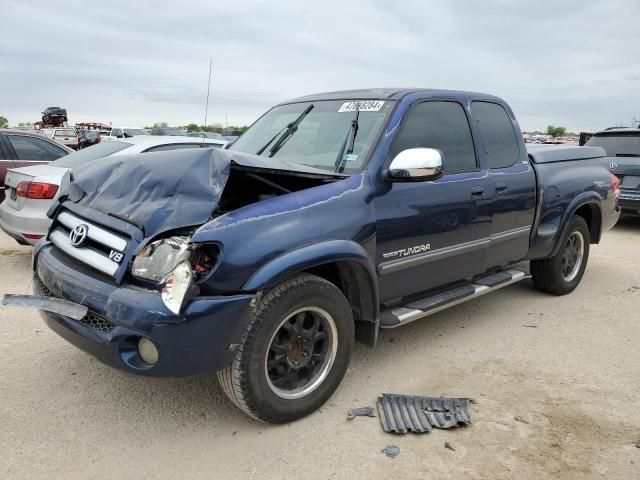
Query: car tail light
[
  {"x": 615, "y": 185},
  {"x": 37, "y": 190},
  {"x": 98, "y": 139},
  {"x": 32, "y": 236}
]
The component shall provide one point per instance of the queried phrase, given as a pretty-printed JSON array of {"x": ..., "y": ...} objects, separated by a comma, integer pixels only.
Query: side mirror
[{"x": 416, "y": 164}]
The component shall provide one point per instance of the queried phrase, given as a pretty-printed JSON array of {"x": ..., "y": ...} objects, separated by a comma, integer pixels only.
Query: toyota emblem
[{"x": 78, "y": 235}]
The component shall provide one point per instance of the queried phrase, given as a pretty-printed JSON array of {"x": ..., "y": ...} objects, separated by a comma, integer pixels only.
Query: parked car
[
  {"x": 211, "y": 135},
  {"x": 126, "y": 132},
  {"x": 91, "y": 137},
  {"x": 54, "y": 116},
  {"x": 623, "y": 149},
  {"x": 66, "y": 136},
  {"x": 19, "y": 148},
  {"x": 168, "y": 131},
  {"x": 24, "y": 214},
  {"x": 333, "y": 216}
]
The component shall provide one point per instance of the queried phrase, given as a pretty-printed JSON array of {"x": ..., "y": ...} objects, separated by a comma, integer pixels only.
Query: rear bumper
[
  {"x": 30, "y": 221},
  {"x": 198, "y": 342},
  {"x": 629, "y": 201}
]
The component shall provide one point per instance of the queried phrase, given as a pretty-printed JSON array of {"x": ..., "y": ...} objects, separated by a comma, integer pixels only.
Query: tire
[
  {"x": 555, "y": 275},
  {"x": 255, "y": 381}
]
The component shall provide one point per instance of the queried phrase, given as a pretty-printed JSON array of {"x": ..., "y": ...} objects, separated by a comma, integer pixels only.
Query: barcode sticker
[{"x": 363, "y": 106}]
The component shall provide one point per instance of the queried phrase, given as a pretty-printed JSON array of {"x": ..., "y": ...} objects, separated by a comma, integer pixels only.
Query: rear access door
[{"x": 511, "y": 182}]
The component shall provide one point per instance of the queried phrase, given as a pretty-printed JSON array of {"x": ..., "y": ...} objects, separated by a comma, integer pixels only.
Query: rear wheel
[
  {"x": 562, "y": 273},
  {"x": 294, "y": 352}
]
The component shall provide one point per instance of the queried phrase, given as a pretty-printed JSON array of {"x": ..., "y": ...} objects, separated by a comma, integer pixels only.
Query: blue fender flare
[
  {"x": 356, "y": 266},
  {"x": 591, "y": 199}
]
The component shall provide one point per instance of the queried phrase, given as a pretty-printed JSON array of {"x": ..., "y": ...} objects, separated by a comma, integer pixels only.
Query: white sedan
[{"x": 30, "y": 191}]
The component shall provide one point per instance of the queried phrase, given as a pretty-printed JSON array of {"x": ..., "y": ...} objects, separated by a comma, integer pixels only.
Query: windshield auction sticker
[{"x": 363, "y": 106}]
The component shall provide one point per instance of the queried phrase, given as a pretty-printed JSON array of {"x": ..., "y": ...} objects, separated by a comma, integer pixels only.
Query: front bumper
[{"x": 198, "y": 342}]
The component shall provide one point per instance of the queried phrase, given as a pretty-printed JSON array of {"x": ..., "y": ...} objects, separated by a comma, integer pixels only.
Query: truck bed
[{"x": 568, "y": 153}]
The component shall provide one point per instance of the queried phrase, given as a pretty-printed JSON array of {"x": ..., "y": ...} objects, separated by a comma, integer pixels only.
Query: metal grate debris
[
  {"x": 403, "y": 413},
  {"x": 90, "y": 319}
]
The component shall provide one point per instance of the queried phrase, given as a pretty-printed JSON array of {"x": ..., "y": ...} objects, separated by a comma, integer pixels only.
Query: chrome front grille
[{"x": 98, "y": 249}]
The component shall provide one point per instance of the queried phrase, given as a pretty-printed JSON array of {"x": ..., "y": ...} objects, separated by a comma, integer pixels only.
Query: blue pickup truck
[{"x": 333, "y": 216}]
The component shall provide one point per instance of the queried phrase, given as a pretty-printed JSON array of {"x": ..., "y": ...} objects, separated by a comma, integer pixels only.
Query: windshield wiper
[
  {"x": 627, "y": 154},
  {"x": 285, "y": 133},
  {"x": 348, "y": 145}
]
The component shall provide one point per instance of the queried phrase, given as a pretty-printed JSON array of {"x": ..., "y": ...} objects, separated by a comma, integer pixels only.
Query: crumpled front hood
[
  {"x": 165, "y": 190},
  {"x": 154, "y": 191}
]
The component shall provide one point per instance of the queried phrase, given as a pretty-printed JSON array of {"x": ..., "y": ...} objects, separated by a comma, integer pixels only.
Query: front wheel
[
  {"x": 562, "y": 273},
  {"x": 294, "y": 353}
]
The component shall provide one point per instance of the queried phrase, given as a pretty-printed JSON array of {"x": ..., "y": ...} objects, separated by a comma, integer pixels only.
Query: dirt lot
[{"x": 567, "y": 366}]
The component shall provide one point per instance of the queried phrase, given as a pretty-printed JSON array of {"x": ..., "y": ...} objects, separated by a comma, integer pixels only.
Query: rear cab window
[
  {"x": 498, "y": 136},
  {"x": 65, "y": 133}
]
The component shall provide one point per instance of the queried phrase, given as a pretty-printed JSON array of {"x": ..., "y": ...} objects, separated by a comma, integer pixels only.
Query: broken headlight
[
  {"x": 158, "y": 259},
  {"x": 176, "y": 287}
]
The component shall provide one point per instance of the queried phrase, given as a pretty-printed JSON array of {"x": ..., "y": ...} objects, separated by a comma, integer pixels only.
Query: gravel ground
[{"x": 567, "y": 367}]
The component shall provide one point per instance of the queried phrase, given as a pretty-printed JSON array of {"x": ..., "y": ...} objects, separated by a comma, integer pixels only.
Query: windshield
[
  {"x": 132, "y": 132},
  {"x": 91, "y": 153},
  {"x": 320, "y": 135},
  {"x": 616, "y": 145}
]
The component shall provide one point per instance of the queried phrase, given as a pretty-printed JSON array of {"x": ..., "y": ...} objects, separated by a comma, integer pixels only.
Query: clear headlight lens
[
  {"x": 176, "y": 286},
  {"x": 158, "y": 259}
]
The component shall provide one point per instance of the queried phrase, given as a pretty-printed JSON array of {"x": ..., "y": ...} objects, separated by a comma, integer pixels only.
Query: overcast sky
[{"x": 568, "y": 62}]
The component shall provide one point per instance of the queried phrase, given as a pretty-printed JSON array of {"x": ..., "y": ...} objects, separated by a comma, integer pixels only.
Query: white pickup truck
[{"x": 66, "y": 136}]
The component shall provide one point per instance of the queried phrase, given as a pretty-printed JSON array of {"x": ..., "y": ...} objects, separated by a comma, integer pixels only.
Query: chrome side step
[{"x": 414, "y": 310}]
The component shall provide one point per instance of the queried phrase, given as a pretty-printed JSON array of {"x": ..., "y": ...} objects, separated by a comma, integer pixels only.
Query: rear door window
[
  {"x": 498, "y": 136},
  {"x": 29, "y": 148}
]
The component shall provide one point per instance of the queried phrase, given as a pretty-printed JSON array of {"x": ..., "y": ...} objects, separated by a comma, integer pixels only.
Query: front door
[{"x": 434, "y": 232}]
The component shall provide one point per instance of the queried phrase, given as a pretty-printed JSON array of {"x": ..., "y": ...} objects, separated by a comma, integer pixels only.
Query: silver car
[{"x": 30, "y": 191}]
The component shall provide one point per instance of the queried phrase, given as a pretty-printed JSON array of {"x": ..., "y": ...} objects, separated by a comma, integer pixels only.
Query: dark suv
[
  {"x": 54, "y": 115},
  {"x": 623, "y": 149}
]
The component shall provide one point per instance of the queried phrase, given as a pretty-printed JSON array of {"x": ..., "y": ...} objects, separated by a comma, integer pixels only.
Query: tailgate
[
  {"x": 66, "y": 137},
  {"x": 630, "y": 182}
]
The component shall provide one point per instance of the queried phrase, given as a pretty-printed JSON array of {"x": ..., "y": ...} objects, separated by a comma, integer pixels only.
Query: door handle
[
  {"x": 501, "y": 187},
  {"x": 477, "y": 191}
]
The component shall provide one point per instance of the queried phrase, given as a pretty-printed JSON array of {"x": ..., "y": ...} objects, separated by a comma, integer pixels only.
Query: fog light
[{"x": 148, "y": 351}]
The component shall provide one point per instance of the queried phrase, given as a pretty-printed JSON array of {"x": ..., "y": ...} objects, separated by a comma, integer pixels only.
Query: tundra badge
[{"x": 405, "y": 252}]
